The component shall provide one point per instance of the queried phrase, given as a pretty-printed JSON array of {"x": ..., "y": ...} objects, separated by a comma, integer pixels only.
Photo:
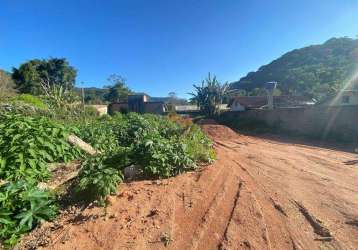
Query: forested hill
[{"x": 315, "y": 70}]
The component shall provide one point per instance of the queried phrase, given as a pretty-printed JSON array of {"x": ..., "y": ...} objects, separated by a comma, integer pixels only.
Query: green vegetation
[
  {"x": 209, "y": 95},
  {"x": 158, "y": 147},
  {"x": 117, "y": 90},
  {"x": 22, "y": 206},
  {"x": 27, "y": 144},
  {"x": 98, "y": 178},
  {"x": 93, "y": 95},
  {"x": 315, "y": 71},
  {"x": 31, "y": 100},
  {"x": 155, "y": 146},
  {"x": 32, "y": 75}
]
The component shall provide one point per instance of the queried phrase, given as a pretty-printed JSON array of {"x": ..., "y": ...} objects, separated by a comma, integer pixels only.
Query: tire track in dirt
[
  {"x": 247, "y": 199},
  {"x": 215, "y": 216}
]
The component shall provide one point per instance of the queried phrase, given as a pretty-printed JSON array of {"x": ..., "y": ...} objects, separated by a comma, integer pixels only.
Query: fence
[{"x": 339, "y": 123}]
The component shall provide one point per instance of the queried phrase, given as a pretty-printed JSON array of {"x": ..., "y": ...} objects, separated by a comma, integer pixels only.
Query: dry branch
[{"x": 74, "y": 140}]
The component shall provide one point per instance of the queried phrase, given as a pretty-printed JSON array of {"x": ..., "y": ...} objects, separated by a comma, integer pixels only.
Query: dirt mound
[
  {"x": 217, "y": 131},
  {"x": 259, "y": 194}
]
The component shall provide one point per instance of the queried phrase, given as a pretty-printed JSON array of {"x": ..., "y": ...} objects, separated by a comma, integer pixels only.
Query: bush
[
  {"x": 27, "y": 144},
  {"x": 161, "y": 157},
  {"x": 158, "y": 146},
  {"x": 99, "y": 178},
  {"x": 30, "y": 99},
  {"x": 100, "y": 135},
  {"x": 198, "y": 146},
  {"x": 22, "y": 206},
  {"x": 90, "y": 111}
]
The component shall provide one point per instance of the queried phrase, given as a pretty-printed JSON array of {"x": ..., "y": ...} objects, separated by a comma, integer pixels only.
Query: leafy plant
[
  {"x": 198, "y": 146},
  {"x": 98, "y": 177},
  {"x": 27, "y": 144},
  {"x": 99, "y": 135},
  {"x": 22, "y": 206},
  {"x": 160, "y": 157},
  {"x": 157, "y": 146},
  {"x": 210, "y": 95}
]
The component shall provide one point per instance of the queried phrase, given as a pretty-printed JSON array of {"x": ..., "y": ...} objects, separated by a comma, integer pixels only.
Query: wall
[
  {"x": 101, "y": 109},
  {"x": 338, "y": 101},
  {"x": 117, "y": 107},
  {"x": 154, "y": 107},
  {"x": 318, "y": 121},
  {"x": 146, "y": 107}
]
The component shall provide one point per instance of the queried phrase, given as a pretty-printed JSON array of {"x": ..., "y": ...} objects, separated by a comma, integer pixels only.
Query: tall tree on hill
[
  {"x": 117, "y": 90},
  {"x": 30, "y": 76},
  {"x": 210, "y": 95}
]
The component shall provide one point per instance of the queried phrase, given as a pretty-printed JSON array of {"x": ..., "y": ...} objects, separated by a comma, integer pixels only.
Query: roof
[
  {"x": 333, "y": 98},
  {"x": 249, "y": 101}
]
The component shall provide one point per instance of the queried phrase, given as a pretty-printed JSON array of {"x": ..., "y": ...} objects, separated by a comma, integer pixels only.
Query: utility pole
[
  {"x": 83, "y": 96},
  {"x": 270, "y": 87}
]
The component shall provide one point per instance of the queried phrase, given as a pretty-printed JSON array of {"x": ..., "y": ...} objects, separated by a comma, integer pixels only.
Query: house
[
  {"x": 139, "y": 103},
  {"x": 242, "y": 103},
  {"x": 343, "y": 98}
]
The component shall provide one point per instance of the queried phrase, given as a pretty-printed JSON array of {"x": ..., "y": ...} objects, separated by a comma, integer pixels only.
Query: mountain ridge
[{"x": 314, "y": 70}]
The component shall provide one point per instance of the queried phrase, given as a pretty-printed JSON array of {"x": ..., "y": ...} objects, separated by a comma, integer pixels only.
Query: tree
[
  {"x": 210, "y": 95},
  {"x": 6, "y": 85},
  {"x": 31, "y": 75},
  {"x": 117, "y": 90},
  {"x": 170, "y": 105}
]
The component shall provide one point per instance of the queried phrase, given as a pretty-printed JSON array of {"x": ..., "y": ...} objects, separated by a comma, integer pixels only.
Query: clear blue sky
[{"x": 165, "y": 45}]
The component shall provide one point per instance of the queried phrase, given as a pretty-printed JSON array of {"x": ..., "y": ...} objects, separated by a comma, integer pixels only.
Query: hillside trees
[
  {"x": 315, "y": 71},
  {"x": 30, "y": 76}
]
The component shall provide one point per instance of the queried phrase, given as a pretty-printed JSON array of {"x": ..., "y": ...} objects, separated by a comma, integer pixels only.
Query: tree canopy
[
  {"x": 117, "y": 90},
  {"x": 314, "y": 71},
  {"x": 32, "y": 74}
]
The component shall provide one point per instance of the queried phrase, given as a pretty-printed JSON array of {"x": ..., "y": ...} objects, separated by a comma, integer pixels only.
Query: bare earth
[{"x": 259, "y": 194}]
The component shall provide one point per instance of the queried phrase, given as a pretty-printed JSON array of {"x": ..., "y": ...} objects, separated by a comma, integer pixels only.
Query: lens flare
[{"x": 350, "y": 84}]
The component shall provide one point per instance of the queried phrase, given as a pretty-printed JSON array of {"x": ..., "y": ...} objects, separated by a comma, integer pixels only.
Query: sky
[{"x": 162, "y": 46}]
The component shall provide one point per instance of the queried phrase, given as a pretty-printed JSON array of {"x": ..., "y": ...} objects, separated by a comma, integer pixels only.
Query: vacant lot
[{"x": 259, "y": 194}]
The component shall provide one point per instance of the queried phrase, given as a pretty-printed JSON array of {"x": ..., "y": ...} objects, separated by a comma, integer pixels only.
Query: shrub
[
  {"x": 161, "y": 157},
  {"x": 30, "y": 99},
  {"x": 22, "y": 206},
  {"x": 90, "y": 111},
  {"x": 198, "y": 146},
  {"x": 27, "y": 144},
  {"x": 98, "y": 177},
  {"x": 158, "y": 146},
  {"x": 99, "y": 134}
]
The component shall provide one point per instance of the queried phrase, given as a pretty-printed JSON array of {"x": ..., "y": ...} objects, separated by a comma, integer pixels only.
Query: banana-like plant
[{"x": 210, "y": 95}]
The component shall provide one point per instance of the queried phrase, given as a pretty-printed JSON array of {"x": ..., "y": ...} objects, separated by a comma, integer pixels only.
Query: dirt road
[{"x": 259, "y": 194}]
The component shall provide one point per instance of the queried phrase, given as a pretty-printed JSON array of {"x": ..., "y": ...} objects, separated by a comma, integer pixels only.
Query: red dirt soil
[{"x": 259, "y": 194}]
